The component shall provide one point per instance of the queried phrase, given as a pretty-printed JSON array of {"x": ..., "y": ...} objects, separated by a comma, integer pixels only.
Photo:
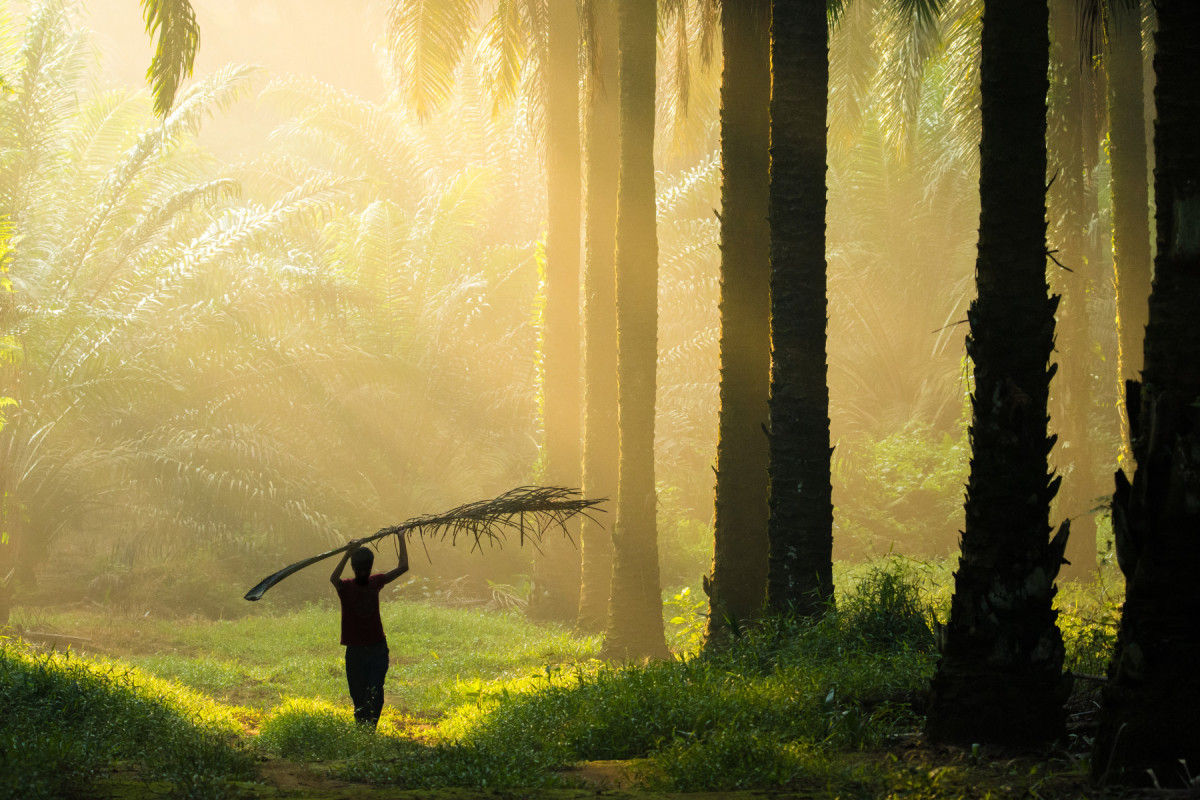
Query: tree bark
[
  {"x": 635, "y": 626},
  {"x": 1071, "y": 394},
  {"x": 1147, "y": 728},
  {"x": 739, "y": 572},
  {"x": 600, "y": 450},
  {"x": 800, "y": 527},
  {"x": 1000, "y": 675},
  {"x": 557, "y": 570},
  {"x": 1127, "y": 154}
]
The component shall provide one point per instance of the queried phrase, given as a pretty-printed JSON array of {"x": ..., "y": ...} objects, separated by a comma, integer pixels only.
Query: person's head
[{"x": 361, "y": 561}]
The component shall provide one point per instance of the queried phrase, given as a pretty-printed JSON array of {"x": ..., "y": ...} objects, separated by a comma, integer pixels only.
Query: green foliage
[
  {"x": 411, "y": 765},
  {"x": 66, "y": 719},
  {"x": 685, "y": 616},
  {"x": 903, "y": 492},
  {"x": 312, "y": 730},
  {"x": 755, "y": 712},
  {"x": 173, "y": 22},
  {"x": 251, "y": 361},
  {"x": 805, "y": 705},
  {"x": 730, "y": 760}
]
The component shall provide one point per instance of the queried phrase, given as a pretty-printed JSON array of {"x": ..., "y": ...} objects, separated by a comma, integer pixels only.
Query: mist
[{"x": 307, "y": 313}]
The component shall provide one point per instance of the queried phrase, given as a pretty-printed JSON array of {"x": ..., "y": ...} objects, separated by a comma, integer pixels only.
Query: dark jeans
[{"x": 366, "y": 666}]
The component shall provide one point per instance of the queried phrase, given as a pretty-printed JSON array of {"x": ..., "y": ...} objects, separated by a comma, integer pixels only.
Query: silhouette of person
[{"x": 362, "y": 628}]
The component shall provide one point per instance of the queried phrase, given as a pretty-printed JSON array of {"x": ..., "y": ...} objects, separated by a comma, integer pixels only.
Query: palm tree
[
  {"x": 600, "y": 450},
  {"x": 800, "y": 571},
  {"x": 635, "y": 627},
  {"x": 1000, "y": 675},
  {"x": 1071, "y": 394},
  {"x": 557, "y": 573},
  {"x": 1146, "y": 730},
  {"x": 258, "y": 372},
  {"x": 737, "y": 586},
  {"x": 428, "y": 41},
  {"x": 1130, "y": 191}
]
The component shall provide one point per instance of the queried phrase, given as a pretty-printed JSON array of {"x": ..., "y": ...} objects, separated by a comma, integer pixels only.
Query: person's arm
[
  {"x": 402, "y": 563},
  {"x": 336, "y": 577}
]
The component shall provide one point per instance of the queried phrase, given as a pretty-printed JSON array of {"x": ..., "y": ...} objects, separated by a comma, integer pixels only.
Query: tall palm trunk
[
  {"x": 635, "y": 626},
  {"x": 556, "y": 590},
  {"x": 1127, "y": 153},
  {"x": 1000, "y": 675},
  {"x": 1071, "y": 394},
  {"x": 1148, "y": 718},
  {"x": 739, "y": 572},
  {"x": 800, "y": 528},
  {"x": 600, "y": 315}
]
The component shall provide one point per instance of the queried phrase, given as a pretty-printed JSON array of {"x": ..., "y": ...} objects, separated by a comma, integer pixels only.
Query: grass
[
  {"x": 438, "y": 655},
  {"x": 481, "y": 699},
  {"x": 66, "y": 720}
]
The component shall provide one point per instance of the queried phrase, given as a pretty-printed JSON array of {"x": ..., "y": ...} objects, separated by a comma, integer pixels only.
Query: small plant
[
  {"x": 312, "y": 730},
  {"x": 686, "y": 616}
]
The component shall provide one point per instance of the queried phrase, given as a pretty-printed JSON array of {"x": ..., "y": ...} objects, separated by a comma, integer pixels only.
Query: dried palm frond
[{"x": 527, "y": 512}]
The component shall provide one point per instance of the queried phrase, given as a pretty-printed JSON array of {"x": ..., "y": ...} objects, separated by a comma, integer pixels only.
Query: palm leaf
[
  {"x": 427, "y": 39},
  {"x": 527, "y": 512},
  {"x": 178, "y": 39}
]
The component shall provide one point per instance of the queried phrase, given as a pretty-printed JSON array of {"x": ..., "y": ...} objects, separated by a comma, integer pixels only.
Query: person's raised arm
[
  {"x": 402, "y": 562},
  {"x": 336, "y": 577}
]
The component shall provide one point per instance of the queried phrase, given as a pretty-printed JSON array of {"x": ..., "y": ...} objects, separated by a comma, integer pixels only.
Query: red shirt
[{"x": 360, "y": 610}]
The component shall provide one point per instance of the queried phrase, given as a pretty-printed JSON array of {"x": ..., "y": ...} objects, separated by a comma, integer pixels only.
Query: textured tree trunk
[
  {"x": 1148, "y": 720},
  {"x": 600, "y": 316},
  {"x": 635, "y": 626},
  {"x": 800, "y": 527},
  {"x": 739, "y": 572},
  {"x": 556, "y": 572},
  {"x": 1000, "y": 675},
  {"x": 1127, "y": 153},
  {"x": 1071, "y": 394}
]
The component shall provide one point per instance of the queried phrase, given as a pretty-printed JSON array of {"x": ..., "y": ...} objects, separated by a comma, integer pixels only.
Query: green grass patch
[
  {"x": 487, "y": 700},
  {"x": 438, "y": 655},
  {"x": 67, "y": 719}
]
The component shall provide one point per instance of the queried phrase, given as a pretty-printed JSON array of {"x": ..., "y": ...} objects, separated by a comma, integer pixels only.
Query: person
[{"x": 362, "y": 628}]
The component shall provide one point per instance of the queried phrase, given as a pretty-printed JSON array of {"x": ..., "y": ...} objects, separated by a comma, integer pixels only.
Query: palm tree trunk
[
  {"x": 800, "y": 528},
  {"x": 1071, "y": 395},
  {"x": 1000, "y": 675},
  {"x": 600, "y": 450},
  {"x": 556, "y": 579},
  {"x": 1148, "y": 725},
  {"x": 1127, "y": 153},
  {"x": 739, "y": 573},
  {"x": 635, "y": 625}
]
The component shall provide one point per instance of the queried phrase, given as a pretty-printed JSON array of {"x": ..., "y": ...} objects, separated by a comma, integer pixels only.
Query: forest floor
[
  {"x": 450, "y": 665},
  {"x": 920, "y": 774}
]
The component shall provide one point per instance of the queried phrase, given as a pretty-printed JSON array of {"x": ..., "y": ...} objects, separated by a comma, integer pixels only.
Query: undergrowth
[
  {"x": 67, "y": 719},
  {"x": 760, "y": 712},
  {"x": 809, "y": 705}
]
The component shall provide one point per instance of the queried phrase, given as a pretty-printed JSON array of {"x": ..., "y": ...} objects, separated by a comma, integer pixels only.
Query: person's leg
[
  {"x": 358, "y": 677},
  {"x": 376, "y": 673}
]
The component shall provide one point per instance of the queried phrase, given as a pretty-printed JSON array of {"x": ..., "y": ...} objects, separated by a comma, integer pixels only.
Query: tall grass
[
  {"x": 504, "y": 704},
  {"x": 66, "y": 719},
  {"x": 757, "y": 713}
]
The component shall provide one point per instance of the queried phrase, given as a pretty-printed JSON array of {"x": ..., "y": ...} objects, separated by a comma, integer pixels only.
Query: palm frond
[
  {"x": 527, "y": 512},
  {"x": 427, "y": 39},
  {"x": 174, "y": 24}
]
